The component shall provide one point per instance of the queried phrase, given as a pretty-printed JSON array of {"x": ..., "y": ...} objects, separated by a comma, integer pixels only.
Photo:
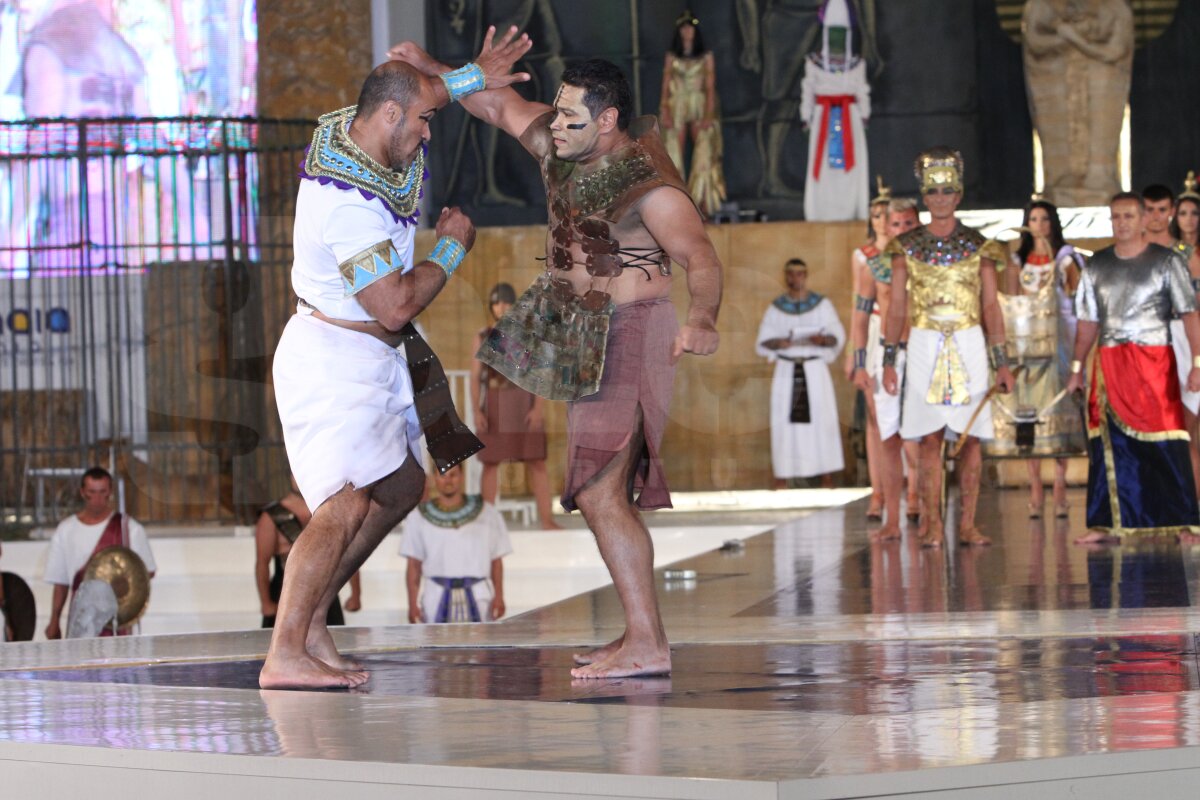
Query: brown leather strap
[{"x": 448, "y": 440}]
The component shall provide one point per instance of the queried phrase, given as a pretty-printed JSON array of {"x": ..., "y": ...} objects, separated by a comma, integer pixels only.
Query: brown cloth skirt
[
  {"x": 508, "y": 437},
  {"x": 637, "y": 372}
]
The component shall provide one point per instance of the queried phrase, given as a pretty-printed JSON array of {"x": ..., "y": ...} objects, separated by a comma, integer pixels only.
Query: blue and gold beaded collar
[
  {"x": 789, "y": 306},
  {"x": 470, "y": 509},
  {"x": 333, "y": 157}
]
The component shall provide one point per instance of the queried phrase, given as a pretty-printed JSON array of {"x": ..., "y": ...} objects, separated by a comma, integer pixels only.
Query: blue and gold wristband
[
  {"x": 448, "y": 253},
  {"x": 465, "y": 80}
]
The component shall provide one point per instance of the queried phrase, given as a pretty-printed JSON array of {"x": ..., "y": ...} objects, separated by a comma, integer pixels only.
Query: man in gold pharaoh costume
[{"x": 944, "y": 287}]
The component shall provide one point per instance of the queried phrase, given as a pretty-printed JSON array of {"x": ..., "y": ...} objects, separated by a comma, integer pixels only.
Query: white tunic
[
  {"x": 464, "y": 552},
  {"x": 800, "y": 450},
  {"x": 837, "y": 194},
  {"x": 73, "y": 544},
  {"x": 345, "y": 398}
]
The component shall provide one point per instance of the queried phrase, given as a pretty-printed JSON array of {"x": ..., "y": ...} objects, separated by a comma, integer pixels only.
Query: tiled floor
[{"x": 810, "y": 663}]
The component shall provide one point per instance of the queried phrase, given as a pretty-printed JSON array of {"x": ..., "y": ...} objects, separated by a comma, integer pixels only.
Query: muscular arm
[
  {"x": 675, "y": 224},
  {"x": 396, "y": 299},
  {"x": 264, "y": 550}
]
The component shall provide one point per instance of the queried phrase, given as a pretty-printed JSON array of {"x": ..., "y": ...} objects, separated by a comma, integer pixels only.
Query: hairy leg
[
  {"x": 912, "y": 456},
  {"x": 931, "y": 489},
  {"x": 1037, "y": 494},
  {"x": 892, "y": 479},
  {"x": 625, "y": 545},
  {"x": 391, "y": 499},
  {"x": 539, "y": 484},
  {"x": 312, "y": 565},
  {"x": 971, "y": 463},
  {"x": 489, "y": 482},
  {"x": 1060, "y": 486},
  {"x": 874, "y": 456}
]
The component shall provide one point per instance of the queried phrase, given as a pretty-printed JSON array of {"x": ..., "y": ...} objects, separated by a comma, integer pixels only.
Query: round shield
[
  {"x": 20, "y": 610},
  {"x": 126, "y": 573}
]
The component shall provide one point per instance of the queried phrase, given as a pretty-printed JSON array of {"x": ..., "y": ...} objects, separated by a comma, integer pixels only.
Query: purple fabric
[{"x": 638, "y": 374}]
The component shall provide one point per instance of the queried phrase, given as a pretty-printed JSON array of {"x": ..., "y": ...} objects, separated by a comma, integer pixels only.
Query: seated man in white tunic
[
  {"x": 345, "y": 394},
  {"x": 455, "y": 546},
  {"x": 802, "y": 334},
  {"x": 944, "y": 287}
]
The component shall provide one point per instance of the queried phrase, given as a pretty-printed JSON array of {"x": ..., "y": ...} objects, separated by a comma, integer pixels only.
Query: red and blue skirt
[{"x": 1139, "y": 471}]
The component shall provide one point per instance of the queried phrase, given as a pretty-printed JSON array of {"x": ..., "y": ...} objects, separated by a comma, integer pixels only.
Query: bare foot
[
  {"x": 875, "y": 508},
  {"x": 600, "y": 653},
  {"x": 320, "y": 646},
  {"x": 548, "y": 524},
  {"x": 1098, "y": 537},
  {"x": 932, "y": 533},
  {"x": 1189, "y": 536},
  {"x": 887, "y": 533},
  {"x": 971, "y": 537},
  {"x": 628, "y": 662},
  {"x": 305, "y": 672}
]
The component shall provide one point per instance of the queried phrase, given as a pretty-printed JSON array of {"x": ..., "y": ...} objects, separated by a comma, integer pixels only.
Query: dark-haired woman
[
  {"x": 689, "y": 108},
  {"x": 1041, "y": 286},
  {"x": 1185, "y": 229}
]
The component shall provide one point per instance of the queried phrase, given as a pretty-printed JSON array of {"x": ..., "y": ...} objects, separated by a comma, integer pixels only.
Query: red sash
[
  {"x": 827, "y": 102},
  {"x": 114, "y": 534}
]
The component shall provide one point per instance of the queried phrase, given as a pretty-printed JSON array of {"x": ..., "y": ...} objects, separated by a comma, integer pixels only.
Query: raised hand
[{"x": 496, "y": 59}]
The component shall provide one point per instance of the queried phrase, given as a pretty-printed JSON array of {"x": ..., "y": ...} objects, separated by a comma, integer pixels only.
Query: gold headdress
[
  {"x": 687, "y": 18},
  {"x": 883, "y": 194},
  {"x": 1189, "y": 187},
  {"x": 939, "y": 166}
]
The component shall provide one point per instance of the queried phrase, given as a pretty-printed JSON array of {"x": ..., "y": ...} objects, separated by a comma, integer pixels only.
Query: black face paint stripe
[{"x": 576, "y": 126}]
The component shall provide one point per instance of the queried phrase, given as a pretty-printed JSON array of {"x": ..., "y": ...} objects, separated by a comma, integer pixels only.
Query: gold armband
[{"x": 1195, "y": 362}]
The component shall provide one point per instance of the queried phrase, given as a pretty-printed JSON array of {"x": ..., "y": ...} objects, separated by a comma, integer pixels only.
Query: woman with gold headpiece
[
  {"x": 1185, "y": 226},
  {"x": 689, "y": 108},
  {"x": 866, "y": 265},
  {"x": 1039, "y": 317}
]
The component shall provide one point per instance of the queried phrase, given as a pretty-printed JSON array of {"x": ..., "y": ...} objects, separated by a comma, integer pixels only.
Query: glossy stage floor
[{"x": 810, "y": 663}]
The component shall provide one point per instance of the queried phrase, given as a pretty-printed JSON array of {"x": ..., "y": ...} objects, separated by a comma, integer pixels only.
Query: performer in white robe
[
  {"x": 801, "y": 331},
  {"x": 835, "y": 100},
  {"x": 454, "y": 548}
]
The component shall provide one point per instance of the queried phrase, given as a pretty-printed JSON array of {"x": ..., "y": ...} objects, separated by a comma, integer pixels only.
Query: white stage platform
[{"x": 810, "y": 664}]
